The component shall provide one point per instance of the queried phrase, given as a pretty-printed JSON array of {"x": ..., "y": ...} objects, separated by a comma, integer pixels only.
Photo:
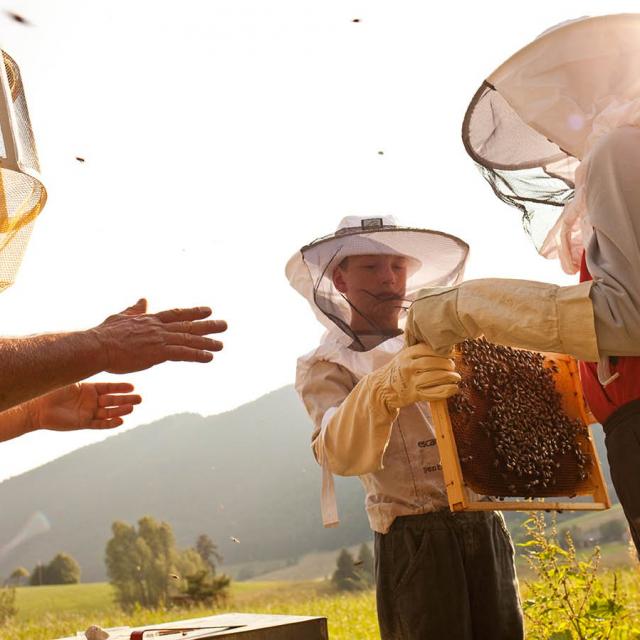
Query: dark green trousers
[{"x": 447, "y": 576}]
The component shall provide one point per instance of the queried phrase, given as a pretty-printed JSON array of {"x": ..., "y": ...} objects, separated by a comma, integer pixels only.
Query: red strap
[
  {"x": 138, "y": 635},
  {"x": 584, "y": 272}
]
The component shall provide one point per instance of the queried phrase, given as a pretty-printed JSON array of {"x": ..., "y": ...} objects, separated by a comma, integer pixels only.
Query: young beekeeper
[
  {"x": 438, "y": 574},
  {"x": 556, "y": 132}
]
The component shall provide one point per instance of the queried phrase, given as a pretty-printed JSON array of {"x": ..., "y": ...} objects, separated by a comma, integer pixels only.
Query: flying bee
[{"x": 16, "y": 17}]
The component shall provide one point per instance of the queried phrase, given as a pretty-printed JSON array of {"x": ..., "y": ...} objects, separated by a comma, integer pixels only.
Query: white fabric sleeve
[
  {"x": 352, "y": 425},
  {"x": 328, "y": 502}
]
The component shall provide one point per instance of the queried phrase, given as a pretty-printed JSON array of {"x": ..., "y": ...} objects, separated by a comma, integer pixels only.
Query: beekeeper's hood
[
  {"x": 22, "y": 195},
  {"x": 434, "y": 258},
  {"x": 531, "y": 125}
]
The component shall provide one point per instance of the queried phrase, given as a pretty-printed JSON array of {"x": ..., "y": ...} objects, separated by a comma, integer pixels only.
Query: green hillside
[
  {"x": 594, "y": 519},
  {"x": 247, "y": 474}
]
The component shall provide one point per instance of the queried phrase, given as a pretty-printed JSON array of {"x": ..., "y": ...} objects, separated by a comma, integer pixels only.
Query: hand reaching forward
[
  {"x": 99, "y": 405},
  {"x": 134, "y": 340}
]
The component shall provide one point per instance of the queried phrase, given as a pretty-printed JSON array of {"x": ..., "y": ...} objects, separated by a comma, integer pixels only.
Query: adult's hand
[
  {"x": 128, "y": 341},
  {"x": 99, "y": 405},
  {"x": 134, "y": 340}
]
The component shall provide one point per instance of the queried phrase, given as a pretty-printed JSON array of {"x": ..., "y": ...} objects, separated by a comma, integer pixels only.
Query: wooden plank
[
  {"x": 537, "y": 505},
  {"x": 451, "y": 469},
  {"x": 600, "y": 493},
  {"x": 4, "y": 213},
  {"x": 249, "y": 626}
]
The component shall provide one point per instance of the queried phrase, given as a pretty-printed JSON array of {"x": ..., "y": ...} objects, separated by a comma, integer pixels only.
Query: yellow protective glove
[
  {"x": 516, "y": 313},
  {"x": 356, "y": 435},
  {"x": 414, "y": 374}
]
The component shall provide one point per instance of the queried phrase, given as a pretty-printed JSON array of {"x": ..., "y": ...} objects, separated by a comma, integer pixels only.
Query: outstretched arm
[
  {"x": 128, "y": 341},
  {"x": 516, "y": 313},
  {"x": 98, "y": 405}
]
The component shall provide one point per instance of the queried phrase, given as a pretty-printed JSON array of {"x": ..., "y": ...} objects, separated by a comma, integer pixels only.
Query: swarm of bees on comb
[{"x": 512, "y": 433}]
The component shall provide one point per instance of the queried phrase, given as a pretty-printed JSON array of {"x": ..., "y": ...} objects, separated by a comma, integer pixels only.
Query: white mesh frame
[
  {"x": 534, "y": 118},
  {"x": 22, "y": 194},
  {"x": 435, "y": 259}
]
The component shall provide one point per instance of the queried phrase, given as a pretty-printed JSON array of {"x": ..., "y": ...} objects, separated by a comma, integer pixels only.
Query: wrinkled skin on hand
[
  {"x": 99, "y": 405},
  {"x": 134, "y": 340}
]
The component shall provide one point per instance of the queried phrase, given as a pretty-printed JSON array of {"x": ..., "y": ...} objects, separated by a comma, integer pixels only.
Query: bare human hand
[
  {"x": 134, "y": 340},
  {"x": 99, "y": 405}
]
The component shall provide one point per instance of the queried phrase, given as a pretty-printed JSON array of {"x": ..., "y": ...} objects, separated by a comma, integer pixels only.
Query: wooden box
[{"x": 240, "y": 626}]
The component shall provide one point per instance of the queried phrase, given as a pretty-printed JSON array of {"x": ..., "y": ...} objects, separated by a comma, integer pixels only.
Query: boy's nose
[{"x": 387, "y": 274}]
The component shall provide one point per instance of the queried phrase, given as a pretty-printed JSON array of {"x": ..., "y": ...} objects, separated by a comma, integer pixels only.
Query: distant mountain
[{"x": 248, "y": 473}]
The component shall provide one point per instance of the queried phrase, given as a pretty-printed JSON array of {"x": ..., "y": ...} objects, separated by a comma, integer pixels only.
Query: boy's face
[{"x": 375, "y": 285}]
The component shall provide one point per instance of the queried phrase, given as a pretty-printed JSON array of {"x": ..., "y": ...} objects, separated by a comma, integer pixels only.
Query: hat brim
[
  {"x": 536, "y": 108},
  {"x": 439, "y": 259},
  {"x": 436, "y": 258}
]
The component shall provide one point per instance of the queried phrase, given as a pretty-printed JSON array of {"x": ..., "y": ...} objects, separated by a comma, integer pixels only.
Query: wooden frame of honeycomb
[{"x": 592, "y": 484}]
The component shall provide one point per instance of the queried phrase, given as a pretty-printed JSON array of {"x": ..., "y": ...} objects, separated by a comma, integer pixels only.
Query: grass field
[
  {"x": 98, "y": 598},
  {"x": 36, "y": 602},
  {"x": 46, "y": 613},
  {"x": 594, "y": 519},
  {"x": 311, "y": 566},
  {"x": 52, "y": 612}
]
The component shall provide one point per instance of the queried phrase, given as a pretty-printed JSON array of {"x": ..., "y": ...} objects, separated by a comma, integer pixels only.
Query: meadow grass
[
  {"x": 46, "y": 613},
  {"x": 35, "y": 602},
  {"x": 54, "y": 612}
]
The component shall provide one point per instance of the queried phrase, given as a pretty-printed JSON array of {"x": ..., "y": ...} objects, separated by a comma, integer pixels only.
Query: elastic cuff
[
  {"x": 576, "y": 322},
  {"x": 381, "y": 394}
]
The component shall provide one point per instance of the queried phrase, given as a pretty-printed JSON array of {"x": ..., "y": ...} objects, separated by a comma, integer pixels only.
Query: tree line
[
  {"x": 354, "y": 574},
  {"x": 63, "y": 569},
  {"x": 148, "y": 570},
  {"x": 145, "y": 567}
]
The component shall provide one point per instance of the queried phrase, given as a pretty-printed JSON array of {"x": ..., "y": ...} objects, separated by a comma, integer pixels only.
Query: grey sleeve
[{"x": 613, "y": 252}]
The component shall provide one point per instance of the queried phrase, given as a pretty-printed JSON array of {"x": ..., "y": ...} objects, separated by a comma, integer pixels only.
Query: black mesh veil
[
  {"x": 434, "y": 259},
  {"x": 502, "y": 146}
]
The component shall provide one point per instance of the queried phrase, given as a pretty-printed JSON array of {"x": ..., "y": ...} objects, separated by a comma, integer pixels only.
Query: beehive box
[
  {"x": 239, "y": 626},
  {"x": 518, "y": 428}
]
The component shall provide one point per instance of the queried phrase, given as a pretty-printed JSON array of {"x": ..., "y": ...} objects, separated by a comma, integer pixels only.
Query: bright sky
[{"x": 222, "y": 135}]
